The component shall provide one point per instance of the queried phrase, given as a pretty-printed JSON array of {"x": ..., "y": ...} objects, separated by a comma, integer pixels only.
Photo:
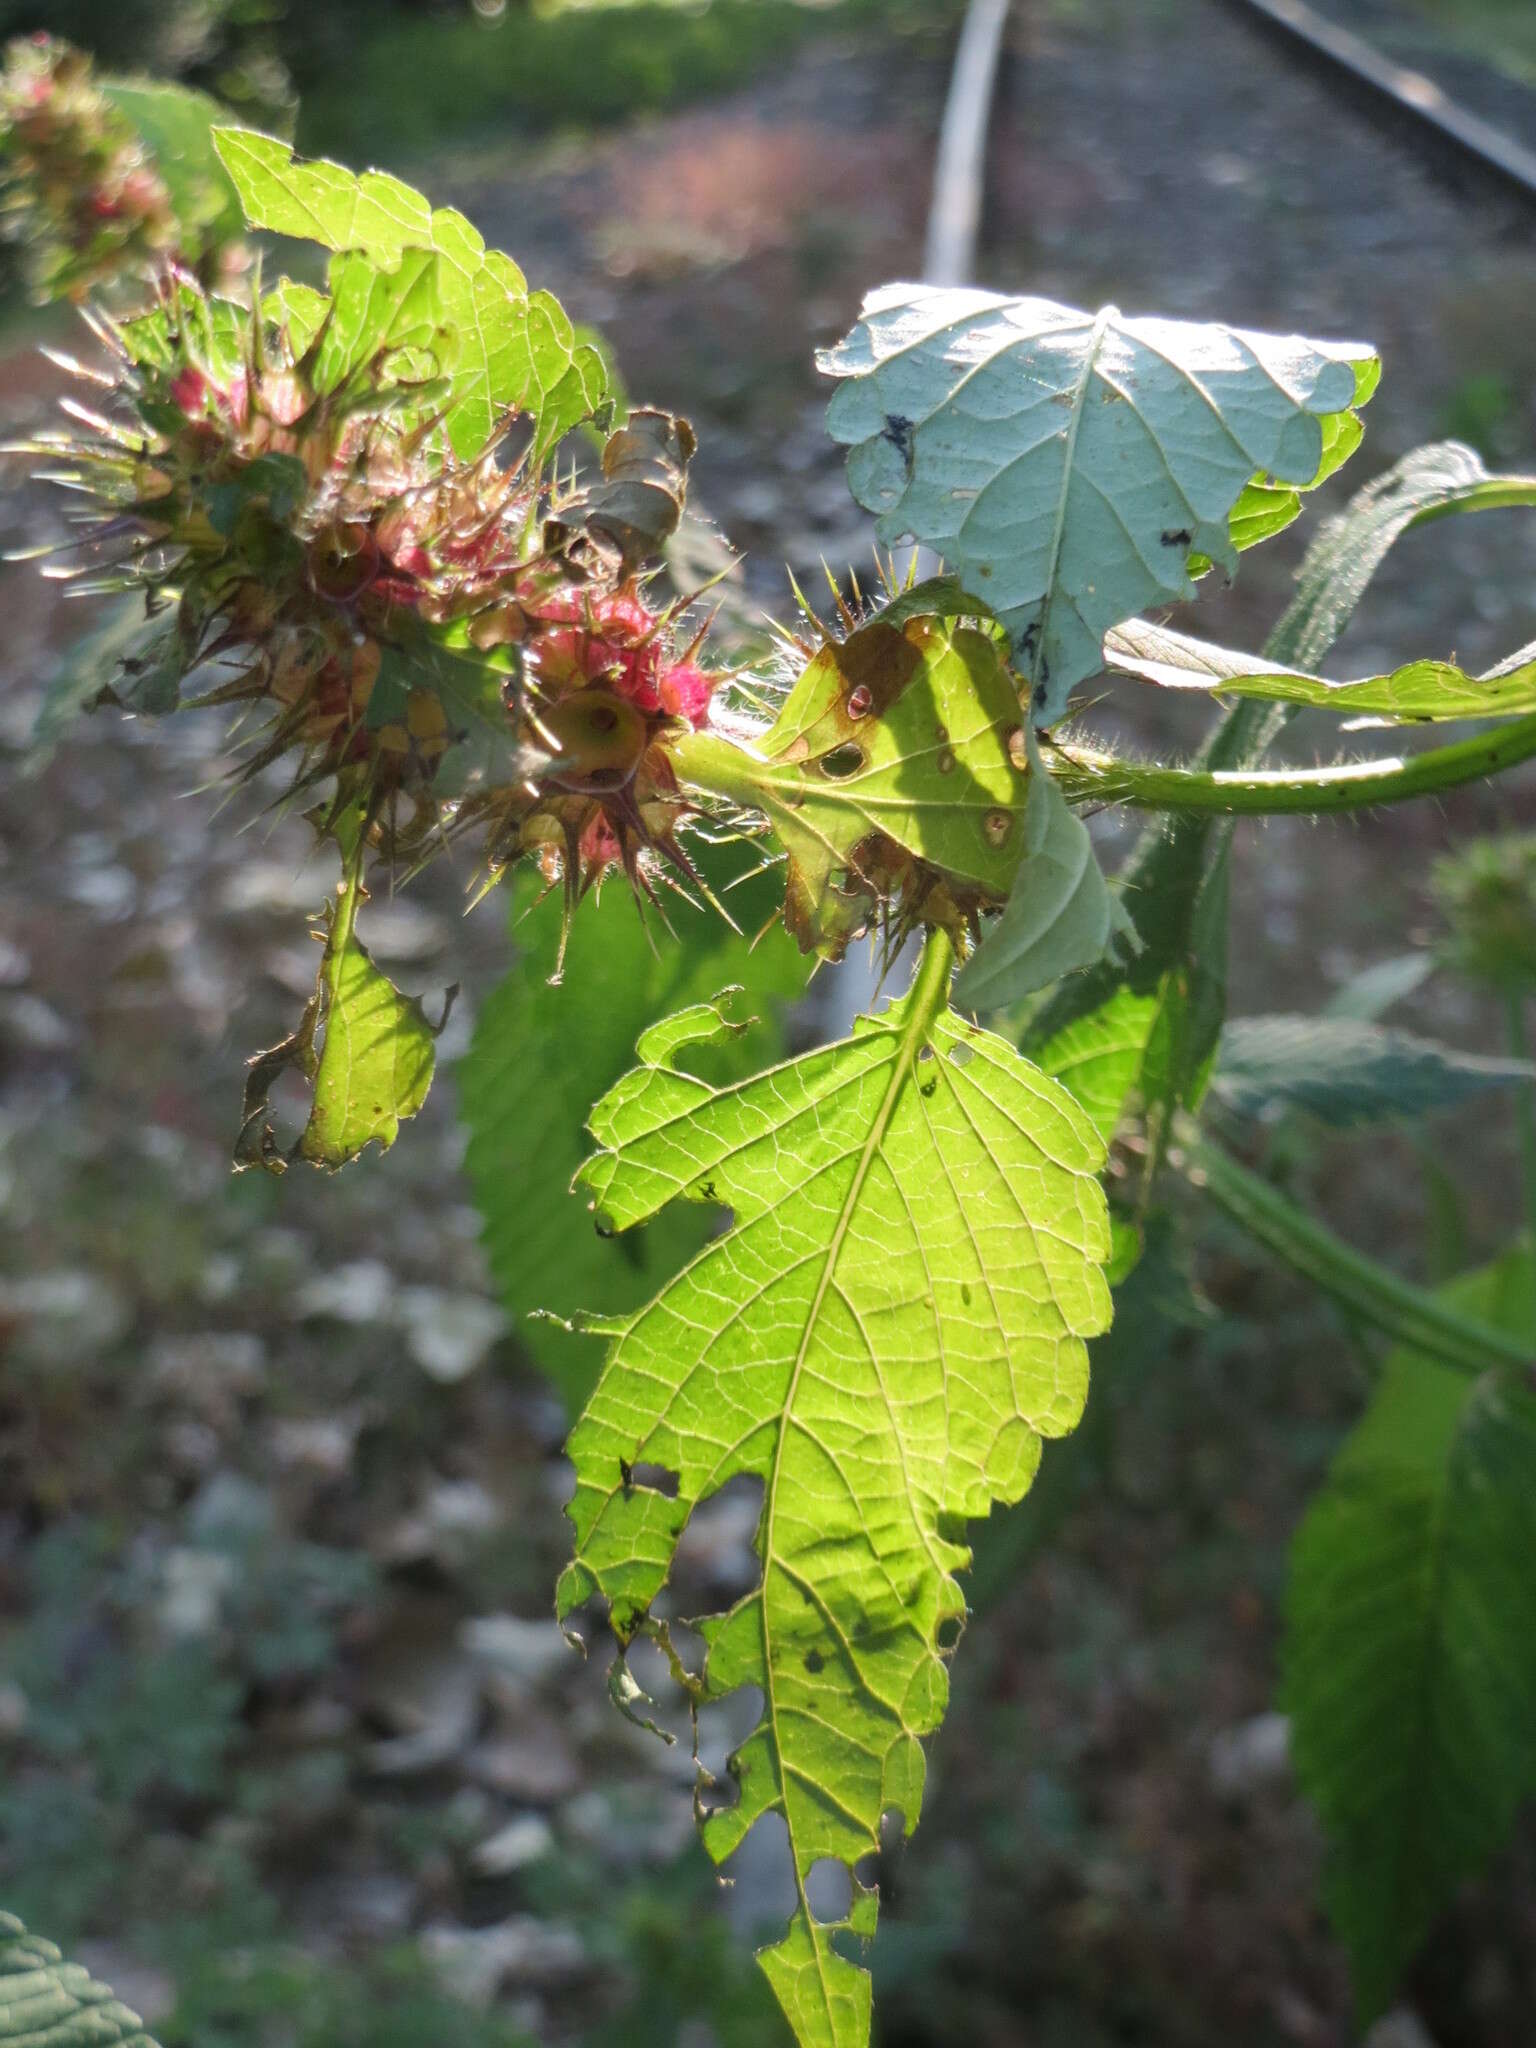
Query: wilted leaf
[
  {"x": 894, "y": 1322},
  {"x": 639, "y": 499},
  {"x": 1419, "y": 690},
  {"x": 1345, "y": 1072},
  {"x": 1410, "y": 1644},
  {"x": 1069, "y": 465},
  {"x": 48, "y": 2003},
  {"x": 515, "y": 350}
]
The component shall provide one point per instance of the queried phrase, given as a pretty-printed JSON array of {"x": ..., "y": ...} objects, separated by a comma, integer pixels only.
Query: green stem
[
  {"x": 1525, "y": 1105},
  {"x": 1086, "y": 776},
  {"x": 1403, "y": 1312}
]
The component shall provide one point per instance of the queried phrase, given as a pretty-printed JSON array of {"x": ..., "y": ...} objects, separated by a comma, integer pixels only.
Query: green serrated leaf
[
  {"x": 1059, "y": 915},
  {"x": 1069, "y": 465},
  {"x": 891, "y": 1327},
  {"x": 1346, "y": 1072},
  {"x": 896, "y": 735},
  {"x": 1097, "y": 1058},
  {"x": 374, "y": 311},
  {"x": 512, "y": 350},
  {"x": 1417, "y": 691},
  {"x": 526, "y": 1085},
  {"x": 1429, "y": 483},
  {"x": 1410, "y": 1643},
  {"x": 48, "y": 2003}
]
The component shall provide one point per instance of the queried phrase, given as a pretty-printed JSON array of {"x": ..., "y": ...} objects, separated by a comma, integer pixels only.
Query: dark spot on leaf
[
  {"x": 814, "y": 1661},
  {"x": 1039, "y": 697},
  {"x": 950, "y": 1631},
  {"x": 925, "y": 1052},
  {"x": 927, "y": 1087},
  {"x": 898, "y": 431},
  {"x": 1177, "y": 536},
  {"x": 843, "y": 761}
]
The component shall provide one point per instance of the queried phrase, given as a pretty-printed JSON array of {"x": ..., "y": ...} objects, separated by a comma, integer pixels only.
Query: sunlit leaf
[
  {"x": 1066, "y": 465},
  {"x": 910, "y": 737},
  {"x": 893, "y": 1323},
  {"x": 515, "y": 350},
  {"x": 1416, "y": 691},
  {"x": 1410, "y": 1645},
  {"x": 1429, "y": 483},
  {"x": 366, "y": 1050}
]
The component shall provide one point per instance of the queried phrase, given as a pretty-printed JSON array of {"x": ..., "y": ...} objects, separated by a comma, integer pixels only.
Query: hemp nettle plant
[{"x": 405, "y": 528}]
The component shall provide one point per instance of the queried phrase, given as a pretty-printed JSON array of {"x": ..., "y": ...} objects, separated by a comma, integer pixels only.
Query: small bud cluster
[
  {"x": 447, "y": 644},
  {"x": 79, "y": 187}
]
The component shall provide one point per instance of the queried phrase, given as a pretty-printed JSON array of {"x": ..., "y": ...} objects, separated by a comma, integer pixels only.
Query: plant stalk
[
  {"x": 1086, "y": 776},
  {"x": 1407, "y": 1314}
]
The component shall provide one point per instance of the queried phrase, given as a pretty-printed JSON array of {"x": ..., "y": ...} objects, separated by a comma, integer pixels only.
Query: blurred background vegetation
[{"x": 290, "y": 1751}]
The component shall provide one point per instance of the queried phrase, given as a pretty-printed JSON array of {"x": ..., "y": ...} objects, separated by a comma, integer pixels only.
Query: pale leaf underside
[
  {"x": 892, "y": 1325},
  {"x": 1069, "y": 467}
]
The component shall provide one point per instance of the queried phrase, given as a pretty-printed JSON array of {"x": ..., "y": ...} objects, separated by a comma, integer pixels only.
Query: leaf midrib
[{"x": 929, "y": 991}]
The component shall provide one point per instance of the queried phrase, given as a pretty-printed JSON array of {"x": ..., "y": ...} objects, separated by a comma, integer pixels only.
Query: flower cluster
[
  {"x": 451, "y": 645},
  {"x": 80, "y": 189}
]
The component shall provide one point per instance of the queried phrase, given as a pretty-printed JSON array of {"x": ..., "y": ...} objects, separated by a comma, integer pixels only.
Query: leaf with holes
[
  {"x": 905, "y": 738},
  {"x": 1069, "y": 466},
  {"x": 48, "y": 2003},
  {"x": 1410, "y": 1645},
  {"x": 514, "y": 350},
  {"x": 891, "y": 1327},
  {"x": 1420, "y": 690}
]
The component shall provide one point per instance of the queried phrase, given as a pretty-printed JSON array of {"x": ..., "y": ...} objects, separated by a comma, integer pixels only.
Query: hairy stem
[
  {"x": 1086, "y": 776},
  {"x": 1360, "y": 1284}
]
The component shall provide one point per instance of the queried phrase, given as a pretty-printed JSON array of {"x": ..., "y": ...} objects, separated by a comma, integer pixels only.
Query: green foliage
[
  {"x": 904, "y": 740},
  {"x": 1410, "y": 1650},
  {"x": 889, "y": 1329},
  {"x": 48, "y": 2003},
  {"x": 540, "y": 1054},
  {"x": 1417, "y": 691},
  {"x": 1430, "y": 483},
  {"x": 1346, "y": 1073},
  {"x": 504, "y": 347},
  {"x": 1059, "y": 915},
  {"x": 175, "y": 124},
  {"x": 374, "y": 1063},
  {"x": 1069, "y": 465}
]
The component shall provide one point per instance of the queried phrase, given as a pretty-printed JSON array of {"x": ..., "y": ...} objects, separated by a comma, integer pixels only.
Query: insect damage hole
[
  {"x": 649, "y": 1478},
  {"x": 829, "y": 1889},
  {"x": 843, "y": 761}
]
